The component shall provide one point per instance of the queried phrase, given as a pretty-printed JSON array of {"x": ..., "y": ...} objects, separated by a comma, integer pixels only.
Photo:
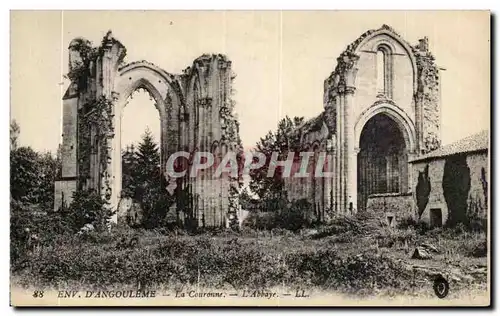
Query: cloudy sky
[{"x": 281, "y": 60}]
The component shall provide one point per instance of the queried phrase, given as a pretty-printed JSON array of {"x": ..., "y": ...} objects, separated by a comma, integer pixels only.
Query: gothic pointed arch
[
  {"x": 100, "y": 87},
  {"x": 147, "y": 75},
  {"x": 401, "y": 118}
]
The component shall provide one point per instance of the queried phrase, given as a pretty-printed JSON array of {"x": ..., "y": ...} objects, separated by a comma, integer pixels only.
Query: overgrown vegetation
[
  {"x": 423, "y": 190},
  {"x": 32, "y": 176},
  {"x": 352, "y": 258},
  {"x": 229, "y": 262},
  {"x": 33, "y": 221},
  {"x": 291, "y": 217},
  {"x": 88, "y": 207}
]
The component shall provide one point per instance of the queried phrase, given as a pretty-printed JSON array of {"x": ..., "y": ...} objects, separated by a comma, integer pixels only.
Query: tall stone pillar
[
  {"x": 111, "y": 177},
  {"x": 354, "y": 179},
  {"x": 351, "y": 153},
  {"x": 340, "y": 157},
  {"x": 346, "y": 89},
  {"x": 333, "y": 180},
  {"x": 116, "y": 160},
  {"x": 328, "y": 182}
]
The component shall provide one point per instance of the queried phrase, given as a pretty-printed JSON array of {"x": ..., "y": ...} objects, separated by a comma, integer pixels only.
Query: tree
[
  {"x": 140, "y": 166},
  {"x": 88, "y": 207},
  {"x": 282, "y": 141},
  {"x": 32, "y": 176},
  {"x": 49, "y": 169},
  {"x": 142, "y": 179},
  {"x": 148, "y": 181},
  {"x": 24, "y": 174},
  {"x": 129, "y": 171},
  {"x": 148, "y": 158},
  {"x": 14, "y": 134},
  {"x": 146, "y": 166}
]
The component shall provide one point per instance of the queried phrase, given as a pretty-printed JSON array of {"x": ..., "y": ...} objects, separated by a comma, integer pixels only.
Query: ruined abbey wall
[
  {"x": 381, "y": 109},
  {"x": 196, "y": 114}
]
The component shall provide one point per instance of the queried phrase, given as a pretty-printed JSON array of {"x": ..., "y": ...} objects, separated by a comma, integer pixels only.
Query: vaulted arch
[
  {"x": 399, "y": 116},
  {"x": 145, "y": 84},
  {"x": 161, "y": 87},
  {"x": 385, "y": 137}
]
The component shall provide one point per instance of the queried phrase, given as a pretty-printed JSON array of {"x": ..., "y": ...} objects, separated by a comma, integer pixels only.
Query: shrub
[
  {"x": 393, "y": 237},
  {"x": 407, "y": 222},
  {"x": 295, "y": 216},
  {"x": 20, "y": 223},
  {"x": 155, "y": 214},
  {"x": 31, "y": 224},
  {"x": 292, "y": 217},
  {"x": 89, "y": 207},
  {"x": 362, "y": 273},
  {"x": 480, "y": 249},
  {"x": 260, "y": 220},
  {"x": 472, "y": 244},
  {"x": 361, "y": 224}
]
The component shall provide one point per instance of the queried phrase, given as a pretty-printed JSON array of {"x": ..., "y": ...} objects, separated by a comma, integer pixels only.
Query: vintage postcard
[{"x": 250, "y": 158}]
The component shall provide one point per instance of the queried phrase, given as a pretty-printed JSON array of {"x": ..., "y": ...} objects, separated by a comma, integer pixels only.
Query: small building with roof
[{"x": 450, "y": 184}]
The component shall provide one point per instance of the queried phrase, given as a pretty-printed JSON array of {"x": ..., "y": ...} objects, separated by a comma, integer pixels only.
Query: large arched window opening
[
  {"x": 382, "y": 160},
  {"x": 140, "y": 143},
  {"x": 384, "y": 70}
]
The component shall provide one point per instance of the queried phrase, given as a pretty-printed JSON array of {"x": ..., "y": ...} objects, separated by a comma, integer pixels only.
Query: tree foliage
[
  {"x": 142, "y": 179},
  {"x": 88, "y": 207},
  {"x": 14, "y": 134},
  {"x": 129, "y": 165},
  {"x": 32, "y": 176},
  {"x": 283, "y": 140}
]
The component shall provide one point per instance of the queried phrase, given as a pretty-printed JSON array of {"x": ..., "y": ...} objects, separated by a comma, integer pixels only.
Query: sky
[{"x": 281, "y": 59}]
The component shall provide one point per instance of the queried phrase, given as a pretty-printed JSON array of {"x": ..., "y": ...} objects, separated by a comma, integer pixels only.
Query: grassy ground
[{"x": 348, "y": 257}]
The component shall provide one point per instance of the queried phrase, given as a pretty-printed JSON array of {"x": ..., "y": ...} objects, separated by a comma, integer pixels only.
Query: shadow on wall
[
  {"x": 484, "y": 183},
  {"x": 456, "y": 187},
  {"x": 423, "y": 190}
]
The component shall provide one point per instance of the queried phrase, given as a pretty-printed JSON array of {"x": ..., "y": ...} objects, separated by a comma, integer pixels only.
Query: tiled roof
[{"x": 473, "y": 143}]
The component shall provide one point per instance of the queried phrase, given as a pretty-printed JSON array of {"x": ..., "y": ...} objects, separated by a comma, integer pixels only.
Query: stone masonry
[
  {"x": 381, "y": 109},
  {"x": 196, "y": 114}
]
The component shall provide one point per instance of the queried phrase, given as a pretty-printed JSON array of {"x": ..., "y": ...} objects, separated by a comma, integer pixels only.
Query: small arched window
[{"x": 384, "y": 71}]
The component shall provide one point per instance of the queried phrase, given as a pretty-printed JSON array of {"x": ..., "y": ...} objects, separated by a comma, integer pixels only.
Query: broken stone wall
[{"x": 391, "y": 205}]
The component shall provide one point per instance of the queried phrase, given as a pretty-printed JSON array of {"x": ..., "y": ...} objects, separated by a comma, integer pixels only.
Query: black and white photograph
[{"x": 250, "y": 158}]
